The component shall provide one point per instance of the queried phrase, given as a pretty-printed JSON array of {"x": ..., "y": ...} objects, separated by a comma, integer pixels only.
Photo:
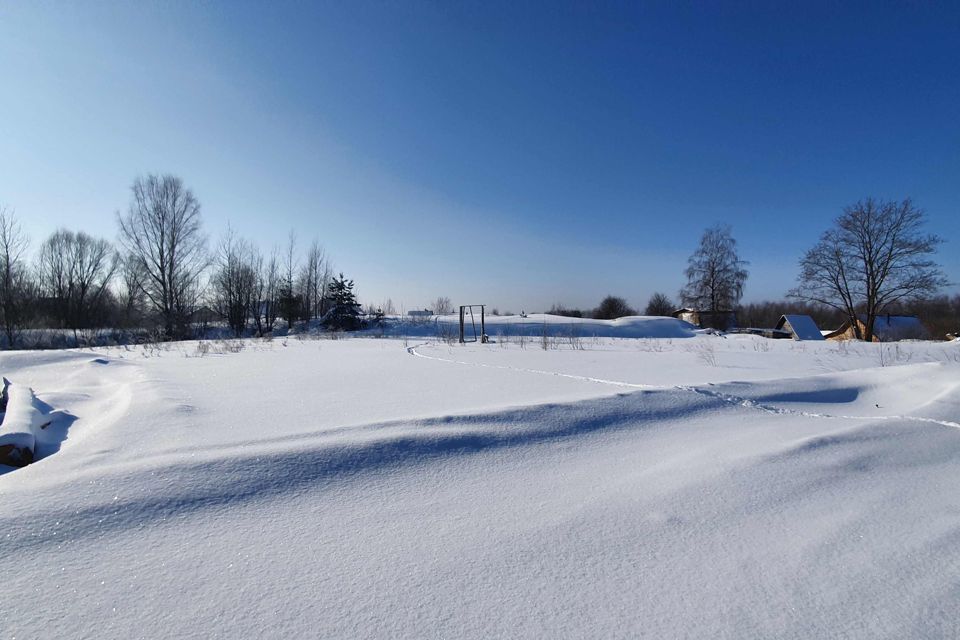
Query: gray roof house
[
  {"x": 890, "y": 328},
  {"x": 800, "y": 327}
]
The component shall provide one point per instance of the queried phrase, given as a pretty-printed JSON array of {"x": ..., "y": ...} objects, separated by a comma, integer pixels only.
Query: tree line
[
  {"x": 875, "y": 259},
  {"x": 162, "y": 273}
]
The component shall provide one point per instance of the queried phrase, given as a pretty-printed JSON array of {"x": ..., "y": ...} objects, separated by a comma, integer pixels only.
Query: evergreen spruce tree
[{"x": 344, "y": 314}]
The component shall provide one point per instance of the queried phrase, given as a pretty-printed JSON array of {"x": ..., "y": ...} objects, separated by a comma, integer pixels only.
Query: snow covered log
[{"x": 19, "y": 427}]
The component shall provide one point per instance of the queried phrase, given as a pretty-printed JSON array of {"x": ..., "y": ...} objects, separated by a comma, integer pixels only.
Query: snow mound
[
  {"x": 536, "y": 324},
  {"x": 925, "y": 392}
]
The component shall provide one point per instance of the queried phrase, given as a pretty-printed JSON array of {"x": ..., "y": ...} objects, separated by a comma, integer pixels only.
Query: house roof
[
  {"x": 896, "y": 326},
  {"x": 803, "y": 327},
  {"x": 887, "y": 327}
]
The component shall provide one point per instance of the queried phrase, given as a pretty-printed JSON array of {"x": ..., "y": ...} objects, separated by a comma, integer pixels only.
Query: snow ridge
[{"x": 720, "y": 395}]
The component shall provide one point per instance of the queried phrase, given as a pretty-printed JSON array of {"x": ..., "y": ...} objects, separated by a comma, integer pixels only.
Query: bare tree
[
  {"x": 558, "y": 309},
  {"x": 659, "y": 305},
  {"x": 267, "y": 291},
  {"x": 234, "y": 282},
  {"x": 16, "y": 288},
  {"x": 162, "y": 231},
  {"x": 442, "y": 306},
  {"x": 874, "y": 256},
  {"x": 289, "y": 301},
  {"x": 53, "y": 274},
  {"x": 715, "y": 275},
  {"x": 259, "y": 286},
  {"x": 314, "y": 276},
  {"x": 75, "y": 271},
  {"x": 325, "y": 279},
  {"x": 613, "y": 307},
  {"x": 129, "y": 292}
]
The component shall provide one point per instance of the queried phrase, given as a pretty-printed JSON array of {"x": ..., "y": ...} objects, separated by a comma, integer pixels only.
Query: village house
[
  {"x": 722, "y": 320},
  {"x": 799, "y": 327},
  {"x": 886, "y": 328}
]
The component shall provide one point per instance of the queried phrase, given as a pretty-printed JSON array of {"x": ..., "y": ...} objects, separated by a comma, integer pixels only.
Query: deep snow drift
[
  {"x": 538, "y": 324},
  {"x": 700, "y": 487}
]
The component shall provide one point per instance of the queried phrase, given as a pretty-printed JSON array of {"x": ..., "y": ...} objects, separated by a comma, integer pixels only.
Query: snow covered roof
[
  {"x": 802, "y": 327},
  {"x": 890, "y": 327},
  {"x": 886, "y": 328}
]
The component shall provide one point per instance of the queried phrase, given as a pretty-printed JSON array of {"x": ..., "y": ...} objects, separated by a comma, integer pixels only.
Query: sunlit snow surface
[{"x": 691, "y": 487}]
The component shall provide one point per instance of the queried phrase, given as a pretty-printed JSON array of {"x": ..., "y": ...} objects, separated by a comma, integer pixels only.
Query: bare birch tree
[
  {"x": 442, "y": 306},
  {"x": 715, "y": 275},
  {"x": 326, "y": 277},
  {"x": 16, "y": 288},
  {"x": 314, "y": 276},
  {"x": 75, "y": 271},
  {"x": 267, "y": 291},
  {"x": 129, "y": 291},
  {"x": 289, "y": 299},
  {"x": 162, "y": 231},
  {"x": 234, "y": 282}
]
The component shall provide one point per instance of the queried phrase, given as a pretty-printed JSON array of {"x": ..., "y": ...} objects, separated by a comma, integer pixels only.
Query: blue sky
[{"x": 517, "y": 154}]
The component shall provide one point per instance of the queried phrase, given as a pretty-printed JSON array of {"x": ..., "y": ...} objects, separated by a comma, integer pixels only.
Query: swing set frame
[{"x": 468, "y": 324}]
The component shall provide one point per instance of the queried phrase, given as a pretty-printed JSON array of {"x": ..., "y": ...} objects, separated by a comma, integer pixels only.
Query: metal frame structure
[{"x": 465, "y": 310}]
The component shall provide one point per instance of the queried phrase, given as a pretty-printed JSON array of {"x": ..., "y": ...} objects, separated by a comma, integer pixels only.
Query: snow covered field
[{"x": 614, "y": 487}]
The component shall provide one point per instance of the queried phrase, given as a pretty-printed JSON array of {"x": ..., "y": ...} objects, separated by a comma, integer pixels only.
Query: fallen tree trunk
[{"x": 20, "y": 423}]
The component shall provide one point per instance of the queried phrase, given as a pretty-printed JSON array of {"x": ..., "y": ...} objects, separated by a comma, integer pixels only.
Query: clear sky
[{"x": 512, "y": 153}]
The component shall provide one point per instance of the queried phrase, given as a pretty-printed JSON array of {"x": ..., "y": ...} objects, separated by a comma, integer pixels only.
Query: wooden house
[
  {"x": 886, "y": 328},
  {"x": 202, "y": 315}
]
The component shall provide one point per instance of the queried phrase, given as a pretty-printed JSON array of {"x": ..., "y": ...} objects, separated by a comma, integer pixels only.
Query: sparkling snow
[{"x": 636, "y": 487}]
